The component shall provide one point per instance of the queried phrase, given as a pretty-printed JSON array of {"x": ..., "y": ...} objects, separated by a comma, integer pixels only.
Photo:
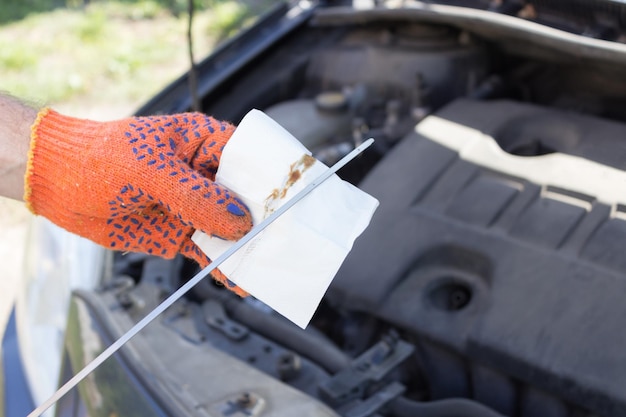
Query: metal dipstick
[{"x": 115, "y": 346}]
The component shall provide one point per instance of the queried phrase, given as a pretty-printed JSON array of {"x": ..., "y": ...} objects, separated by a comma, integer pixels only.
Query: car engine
[{"x": 492, "y": 277}]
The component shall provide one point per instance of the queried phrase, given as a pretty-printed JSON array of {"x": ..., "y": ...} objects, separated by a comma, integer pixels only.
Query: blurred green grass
[
  {"x": 109, "y": 55},
  {"x": 13, "y": 10}
]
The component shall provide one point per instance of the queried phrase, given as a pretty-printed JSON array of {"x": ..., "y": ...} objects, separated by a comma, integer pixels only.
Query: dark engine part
[
  {"x": 390, "y": 76},
  {"x": 505, "y": 284},
  {"x": 507, "y": 290},
  {"x": 414, "y": 62}
]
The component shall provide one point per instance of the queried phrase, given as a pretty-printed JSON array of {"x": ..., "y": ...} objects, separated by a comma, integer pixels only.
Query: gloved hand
[{"x": 140, "y": 184}]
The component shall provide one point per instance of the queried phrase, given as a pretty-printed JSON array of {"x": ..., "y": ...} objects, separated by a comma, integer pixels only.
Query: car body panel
[{"x": 16, "y": 397}]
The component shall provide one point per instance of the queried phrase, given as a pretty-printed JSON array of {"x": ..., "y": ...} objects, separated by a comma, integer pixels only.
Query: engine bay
[{"x": 490, "y": 281}]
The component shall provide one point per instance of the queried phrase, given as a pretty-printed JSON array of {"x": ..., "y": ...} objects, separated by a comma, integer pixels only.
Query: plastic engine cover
[{"x": 526, "y": 278}]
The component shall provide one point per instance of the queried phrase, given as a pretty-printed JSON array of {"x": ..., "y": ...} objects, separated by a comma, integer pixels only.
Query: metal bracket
[
  {"x": 370, "y": 406},
  {"x": 366, "y": 370},
  {"x": 216, "y": 317}
]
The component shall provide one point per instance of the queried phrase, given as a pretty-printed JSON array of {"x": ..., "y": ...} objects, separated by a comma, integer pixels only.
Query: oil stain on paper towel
[{"x": 295, "y": 173}]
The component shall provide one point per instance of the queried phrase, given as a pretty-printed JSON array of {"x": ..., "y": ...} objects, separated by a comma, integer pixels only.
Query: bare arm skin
[{"x": 16, "y": 119}]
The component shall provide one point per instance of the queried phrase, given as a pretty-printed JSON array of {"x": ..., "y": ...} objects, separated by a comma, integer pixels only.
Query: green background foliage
[
  {"x": 12, "y": 10},
  {"x": 104, "y": 58}
]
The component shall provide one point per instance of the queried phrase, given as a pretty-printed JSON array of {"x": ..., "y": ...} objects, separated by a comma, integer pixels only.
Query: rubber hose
[
  {"x": 317, "y": 348},
  {"x": 452, "y": 407}
]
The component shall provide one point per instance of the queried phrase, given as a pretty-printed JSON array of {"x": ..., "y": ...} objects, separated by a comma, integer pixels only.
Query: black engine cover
[{"x": 523, "y": 279}]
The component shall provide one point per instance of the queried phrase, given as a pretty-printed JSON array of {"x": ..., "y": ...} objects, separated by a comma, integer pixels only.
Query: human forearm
[{"x": 16, "y": 119}]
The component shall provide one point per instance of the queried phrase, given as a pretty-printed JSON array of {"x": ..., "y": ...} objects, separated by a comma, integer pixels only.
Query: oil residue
[{"x": 295, "y": 173}]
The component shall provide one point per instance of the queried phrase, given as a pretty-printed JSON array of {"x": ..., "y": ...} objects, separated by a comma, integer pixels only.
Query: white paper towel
[{"x": 291, "y": 263}]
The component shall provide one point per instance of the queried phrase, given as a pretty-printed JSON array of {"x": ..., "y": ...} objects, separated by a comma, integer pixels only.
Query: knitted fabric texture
[{"x": 139, "y": 184}]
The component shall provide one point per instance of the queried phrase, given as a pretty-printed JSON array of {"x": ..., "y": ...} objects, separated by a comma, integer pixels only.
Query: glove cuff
[{"x": 50, "y": 180}]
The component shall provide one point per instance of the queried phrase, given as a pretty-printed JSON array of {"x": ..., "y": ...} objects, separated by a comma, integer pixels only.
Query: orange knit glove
[{"x": 140, "y": 184}]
